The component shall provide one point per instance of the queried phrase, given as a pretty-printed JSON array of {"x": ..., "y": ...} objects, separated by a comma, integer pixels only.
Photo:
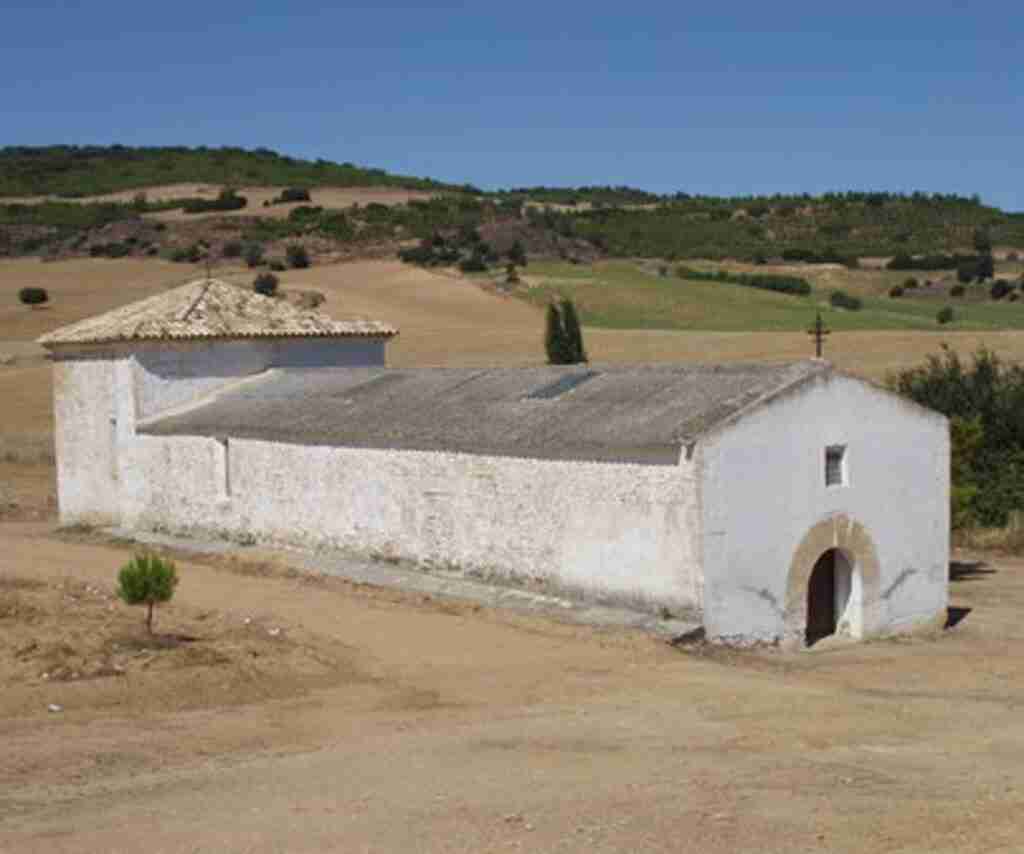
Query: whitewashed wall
[
  {"x": 86, "y": 398},
  {"x": 764, "y": 489},
  {"x": 102, "y": 392},
  {"x": 621, "y": 532}
]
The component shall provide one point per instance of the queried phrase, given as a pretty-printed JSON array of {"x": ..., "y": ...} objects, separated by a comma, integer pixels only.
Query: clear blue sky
[{"x": 723, "y": 98}]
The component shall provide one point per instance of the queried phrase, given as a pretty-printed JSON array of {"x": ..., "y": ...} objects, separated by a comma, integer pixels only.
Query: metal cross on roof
[{"x": 820, "y": 332}]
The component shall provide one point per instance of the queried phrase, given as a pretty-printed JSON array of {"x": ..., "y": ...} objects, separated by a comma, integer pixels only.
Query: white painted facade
[
  {"x": 764, "y": 490},
  {"x": 722, "y": 534}
]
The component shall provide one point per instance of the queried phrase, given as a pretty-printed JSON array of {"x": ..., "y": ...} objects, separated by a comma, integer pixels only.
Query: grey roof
[
  {"x": 209, "y": 308},
  {"x": 625, "y": 414}
]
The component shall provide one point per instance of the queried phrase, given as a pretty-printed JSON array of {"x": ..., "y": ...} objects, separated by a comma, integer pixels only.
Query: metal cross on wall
[{"x": 820, "y": 332}]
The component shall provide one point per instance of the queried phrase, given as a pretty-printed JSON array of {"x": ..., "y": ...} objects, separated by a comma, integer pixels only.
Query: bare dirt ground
[{"x": 297, "y": 713}]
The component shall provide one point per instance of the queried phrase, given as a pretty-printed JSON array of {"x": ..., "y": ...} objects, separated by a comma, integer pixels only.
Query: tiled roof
[{"x": 210, "y": 308}]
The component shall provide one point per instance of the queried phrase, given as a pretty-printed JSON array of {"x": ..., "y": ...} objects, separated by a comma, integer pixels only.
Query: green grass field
[{"x": 631, "y": 295}]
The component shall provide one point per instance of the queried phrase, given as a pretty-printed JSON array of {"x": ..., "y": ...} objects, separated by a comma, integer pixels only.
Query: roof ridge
[{"x": 210, "y": 309}]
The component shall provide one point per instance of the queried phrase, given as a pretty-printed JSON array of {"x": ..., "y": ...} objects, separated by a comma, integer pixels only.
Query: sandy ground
[{"x": 345, "y": 718}]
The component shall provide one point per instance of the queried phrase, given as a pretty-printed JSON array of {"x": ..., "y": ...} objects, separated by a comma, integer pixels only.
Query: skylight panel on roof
[{"x": 561, "y": 386}]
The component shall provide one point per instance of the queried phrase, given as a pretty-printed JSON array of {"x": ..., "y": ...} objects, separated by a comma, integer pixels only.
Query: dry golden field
[{"x": 326, "y": 197}]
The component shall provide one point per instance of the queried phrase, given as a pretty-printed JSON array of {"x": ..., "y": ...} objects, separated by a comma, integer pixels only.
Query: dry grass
[
  {"x": 327, "y": 197},
  {"x": 1008, "y": 540}
]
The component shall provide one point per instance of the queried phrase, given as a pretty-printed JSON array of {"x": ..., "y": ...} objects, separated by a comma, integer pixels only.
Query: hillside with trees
[
  {"x": 72, "y": 171},
  {"x": 460, "y": 225}
]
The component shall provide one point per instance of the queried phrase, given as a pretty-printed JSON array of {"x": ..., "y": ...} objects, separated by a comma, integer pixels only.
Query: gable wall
[
  {"x": 92, "y": 409},
  {"x": 764, "y": 490},
  {"x": 621, "y": 532}
]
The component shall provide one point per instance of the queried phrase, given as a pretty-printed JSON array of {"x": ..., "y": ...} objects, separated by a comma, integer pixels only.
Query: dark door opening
[{"x": 821, "y": 599}]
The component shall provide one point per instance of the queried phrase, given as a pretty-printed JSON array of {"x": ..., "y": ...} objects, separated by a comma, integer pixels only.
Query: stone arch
[{"x": 851, "y": 539}]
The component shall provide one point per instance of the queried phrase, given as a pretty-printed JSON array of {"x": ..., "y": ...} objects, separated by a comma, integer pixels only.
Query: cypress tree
[
  {"x": 554, "y": 337},
  {"x": 573, "y": 334}
]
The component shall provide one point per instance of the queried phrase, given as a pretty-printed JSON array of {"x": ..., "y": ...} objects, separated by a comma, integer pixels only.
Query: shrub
[
  {"x": 895, "y": 291},
  {"x": 945, "y": 315},
  {"x": 277, "y": 265},
  {"x": 33, "y": 296},
  {"x": 764, "y": 281},
  {"x": 111, "y": 250},
  {"x": 956, "y": 291},
  {"x": 188, "y": 255},
  {"x": 517, "y": 255},
  {"x": 266, "y": 284},
  {"x": 297, "y": 256},
  {"x": 841, "y": 299},
  {"x": 232, "y": 249},
  {"x": 475, "y": 263},
  {"x": 983, "y": 402},
  {"x": 511, "y": 275},
  {"x": 227, "y": 200},
  {"x": 1000, "y": 288},
  {"x": 147, "y": 580},
  {"x": 253, "y": 255},
  {"x": 910, "y": 283},
  {"x": 292, "y": 194},
  {"x": 966, "y": 270}
]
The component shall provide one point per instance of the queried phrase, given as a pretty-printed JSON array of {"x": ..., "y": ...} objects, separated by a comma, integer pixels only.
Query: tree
[
  {"x": 573, "y": 333},
  {"x": 982, "y": 241},
  {"x": 297, "y": 256},
  {"x": 986, "y": 267},
  {"x": 266, "y": 284},
  {"x": 1000, "y": 288},
  {"x": 554, "y": 337},
  {"x": 253, "y": 255},
  {"x": 517, "y": 255},
  {"x": 563, "y": 338},
  {"x": 147, "y": 580},
  {"x": 33, "y": 296}
]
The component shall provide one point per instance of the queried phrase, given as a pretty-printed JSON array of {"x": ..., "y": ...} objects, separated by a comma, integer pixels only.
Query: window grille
[{"x": 835, "y": 465}]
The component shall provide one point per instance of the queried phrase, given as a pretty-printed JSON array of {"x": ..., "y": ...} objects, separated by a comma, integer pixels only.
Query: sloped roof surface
[
  {"x": 209, "y": 308},
  {"x": 626, "y": 414}
]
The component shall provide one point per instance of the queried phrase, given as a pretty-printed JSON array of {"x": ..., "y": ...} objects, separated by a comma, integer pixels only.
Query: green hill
[{"x": 74, "y": 171}]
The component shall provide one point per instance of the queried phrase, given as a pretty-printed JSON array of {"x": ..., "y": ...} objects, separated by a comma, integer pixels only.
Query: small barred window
[{"x": 835, "y": 465}]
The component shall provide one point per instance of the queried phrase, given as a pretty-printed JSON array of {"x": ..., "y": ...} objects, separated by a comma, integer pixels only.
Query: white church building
[{"x": 776, "y": 503}]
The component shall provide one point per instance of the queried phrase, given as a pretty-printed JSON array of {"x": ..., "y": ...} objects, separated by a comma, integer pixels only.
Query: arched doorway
[
  {"x": 855, "y": 576},
  {"x": 829, "y": 590}
]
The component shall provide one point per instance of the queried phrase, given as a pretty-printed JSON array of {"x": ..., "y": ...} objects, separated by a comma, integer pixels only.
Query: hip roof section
[
  {"x": 210, "y": 309},
  {"x": 642, "y": 414}
]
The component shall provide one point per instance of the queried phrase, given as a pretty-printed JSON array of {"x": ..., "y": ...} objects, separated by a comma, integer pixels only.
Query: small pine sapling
[{"x": 147, "y": 580}]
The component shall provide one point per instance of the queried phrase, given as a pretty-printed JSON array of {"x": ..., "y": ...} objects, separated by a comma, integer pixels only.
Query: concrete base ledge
[{"x": 447, "y": 583}]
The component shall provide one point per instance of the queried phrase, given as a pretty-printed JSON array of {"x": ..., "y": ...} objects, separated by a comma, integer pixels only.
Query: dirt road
[{"x": 386, "y": 722}]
